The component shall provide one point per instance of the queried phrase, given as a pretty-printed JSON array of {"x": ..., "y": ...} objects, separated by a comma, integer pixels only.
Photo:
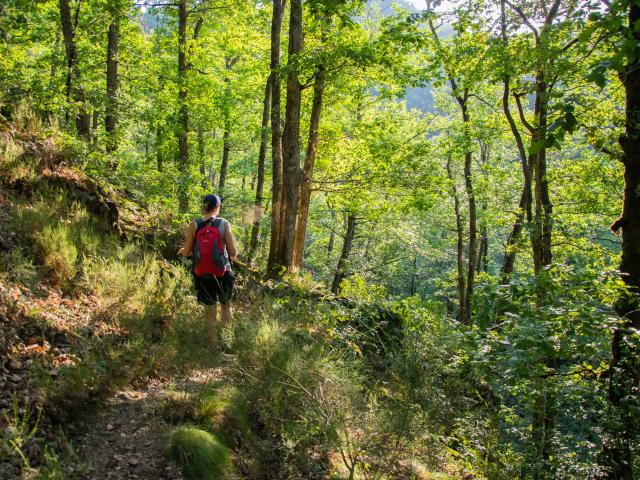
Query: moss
[{"x": 201, "y": 454}]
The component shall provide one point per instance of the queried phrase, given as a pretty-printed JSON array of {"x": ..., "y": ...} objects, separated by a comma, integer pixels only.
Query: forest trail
[{"x": 127, "y": 436}]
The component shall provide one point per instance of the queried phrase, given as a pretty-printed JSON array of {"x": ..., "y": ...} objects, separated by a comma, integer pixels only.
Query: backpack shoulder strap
[
  {"x": 201, "y": 222},
  {"x": 219, "y": 224}
]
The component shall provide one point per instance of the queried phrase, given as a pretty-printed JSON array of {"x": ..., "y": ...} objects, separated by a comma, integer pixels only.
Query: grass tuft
[{"x": 201, "y": 455}]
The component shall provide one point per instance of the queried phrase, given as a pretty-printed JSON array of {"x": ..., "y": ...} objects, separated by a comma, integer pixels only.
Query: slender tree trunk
[
  {"x": 158, "y": 146},
  {"x": 524, "y": 206},
  {"x": 262, "y": 155},
  {"x": 94, "y": 128},
  {"x": 468, "y": 182},
  {"x": 307, "y": 171},
  {"x": 412, "y": 292},
  {"x": 4, "y": 34},
  {"x": 183, "y": 108},
  {"x": 226, "y": 147},
  {"x": 275, "y": 257},
  {"x": 483, "y": 249},
  {"x": 111, "y": 111},
  {"x": 74, "y": 93},
  {"x": 473, "y": 244},
  {"x": 459, "y": 247},
  {"x": 466, "y": 298},
  {"x": 624, "y": 366},
  {"x": 291, "y": 138},
  {"x": 332, "y": 235},
  {"x": 545, "y": 403},
  {"x": 341, "y": 272},
  {"x": 226, "y": 135}
]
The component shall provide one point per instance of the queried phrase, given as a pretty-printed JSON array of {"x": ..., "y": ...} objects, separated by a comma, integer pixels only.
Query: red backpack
[{"x": 210, "y": 257}]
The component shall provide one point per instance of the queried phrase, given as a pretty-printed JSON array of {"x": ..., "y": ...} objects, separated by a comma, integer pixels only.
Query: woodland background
[{"x": 451, "y": 173}]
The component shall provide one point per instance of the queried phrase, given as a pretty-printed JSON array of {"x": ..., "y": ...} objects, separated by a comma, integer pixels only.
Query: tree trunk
[
  {"x": 332, "y": 235},
  {"x": 262, "y": 155},
  {"x": 94, "y": 128},
  {"x": 473, "y": 244},
  {"x": 111, "y": 111},
  {"x": 344, "y": 255},
  {"x": 183, "y": 108},
  {"x": 524, "y": 206},
  {"x": 158, "y": 146},
  {"x": 275, "y": 258},
  {"x": 74, "y": 93},
  {"x": 541, "y": 231},
  {"x": 483, "y": 249},
  {"x": 226, "y": 145},
  {"x": 624, "y": 366},
  {"x": 468, "y": 182},
  {"x": 307, "y": 171},
  {"x": 459, "y": 247},
  {"x": 291, "y": 138},
  {"x": 412, "y": 292},
  {"x": 54, "y": 59}
]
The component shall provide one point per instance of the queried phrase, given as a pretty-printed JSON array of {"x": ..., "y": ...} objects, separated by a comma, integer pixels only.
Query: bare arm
[
  {"x": 189, "y": 237},
  {"x": 229, "y": 242}
]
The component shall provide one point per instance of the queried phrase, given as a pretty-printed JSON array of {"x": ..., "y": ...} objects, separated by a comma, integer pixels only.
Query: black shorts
[{"x": 212, "y": 290}]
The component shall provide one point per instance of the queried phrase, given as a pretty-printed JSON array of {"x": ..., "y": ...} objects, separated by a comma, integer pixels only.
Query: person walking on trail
[{"x": 210, "y": 244}]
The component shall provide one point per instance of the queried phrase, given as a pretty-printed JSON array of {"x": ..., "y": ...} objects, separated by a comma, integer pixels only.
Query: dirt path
[{"x": 126, "y": 438}]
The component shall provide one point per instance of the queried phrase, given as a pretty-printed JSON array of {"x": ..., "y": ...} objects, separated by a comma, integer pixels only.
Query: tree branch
[
  {"x": 524, "y": 18},
  {"x": 523, "y": 119}
]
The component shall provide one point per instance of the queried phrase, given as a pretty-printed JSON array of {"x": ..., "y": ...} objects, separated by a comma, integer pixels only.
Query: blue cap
[{"x": 211, "y": 201}]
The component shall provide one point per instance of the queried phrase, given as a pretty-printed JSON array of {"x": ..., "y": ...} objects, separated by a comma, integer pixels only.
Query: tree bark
[
  {"x": 226, "y": 135},
  {"x": 524, "y": 206},
  {"x": 262, "y": 155},
  {"x": 94, "y": 128},
  {"x": 473, "y": 233},
  {"x": 459, "y": 246},
  {"x": 275, "y": 257},
  {"x": 344, "y": 255},
  {"x": 291, "y": 137},
  {"x": 111, "y": 110},
  {"x": 183, "y": 108},
  {"x": 226, "y": 147},
  {"x": 307, "y": 171},
  {"x": 624, "y": 365},
  {"x": 74, "y": 93}
]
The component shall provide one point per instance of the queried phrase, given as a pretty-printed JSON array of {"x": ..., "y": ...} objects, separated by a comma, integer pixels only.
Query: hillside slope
[{"x": 106, "y": 372}]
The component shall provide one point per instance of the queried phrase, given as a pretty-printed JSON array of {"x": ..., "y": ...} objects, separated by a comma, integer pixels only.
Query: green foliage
[
  {"x": 390, "y": 363},
  {"x": 200, "y": 453},
  {"x": 20, "y": 426}
]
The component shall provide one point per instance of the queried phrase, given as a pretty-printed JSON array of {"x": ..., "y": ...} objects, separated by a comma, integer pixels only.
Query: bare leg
[
  {"x": 227, "y": 313},
  {"x": 210, "y": 320}
]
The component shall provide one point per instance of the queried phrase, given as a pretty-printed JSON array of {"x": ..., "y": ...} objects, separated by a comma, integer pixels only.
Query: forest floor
[{"x": 126, "y": 438}]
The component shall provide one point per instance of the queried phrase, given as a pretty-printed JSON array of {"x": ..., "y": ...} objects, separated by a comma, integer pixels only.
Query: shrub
[
  {"x": 58, "y": 252},
  {"x": 20, "y": 268}
]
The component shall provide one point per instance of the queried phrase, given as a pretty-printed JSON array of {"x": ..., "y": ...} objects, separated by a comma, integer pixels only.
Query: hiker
[{"x": 210, "y": 243}]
